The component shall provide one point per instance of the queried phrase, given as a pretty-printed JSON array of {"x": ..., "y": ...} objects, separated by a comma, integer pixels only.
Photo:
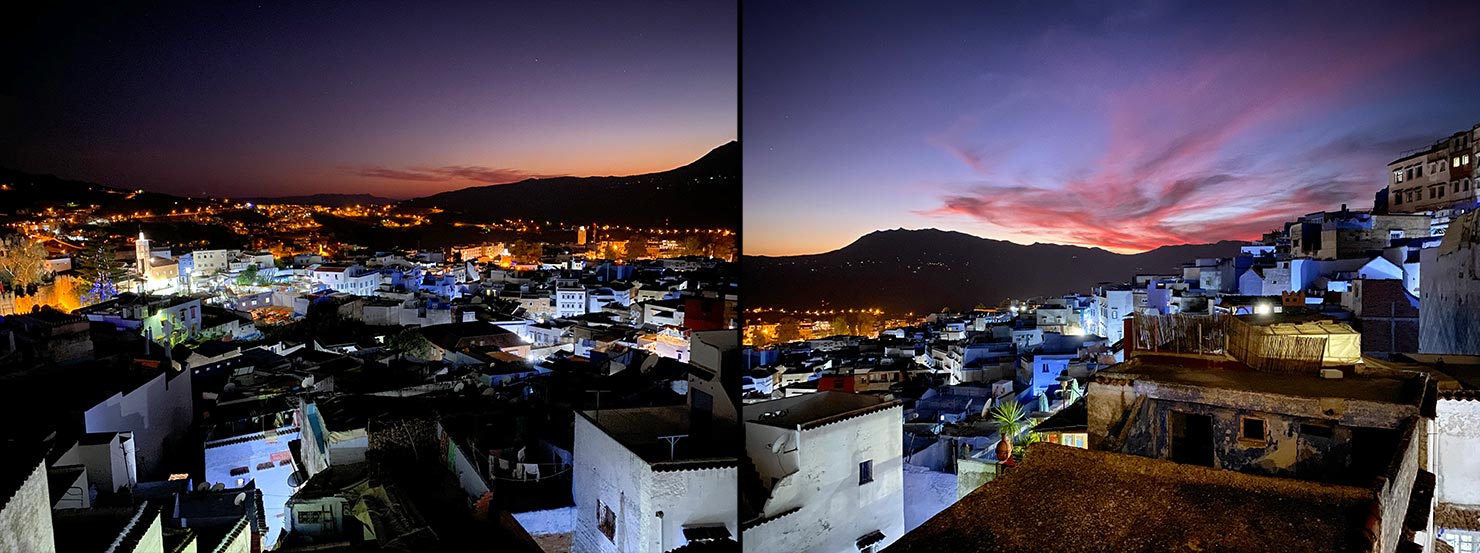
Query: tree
[
  {"x": 788, "y": 331},
  {"x": 247, "y": 277},
  {"x": 526, "y": 251},
  {"x": 694, "y": 245},
  {"x": 22, "y": 262},
  {"x": 409, "y": 342},
  {"x": 636, "y": 248},
  {"x": 99, "y": 270},
  {"x": 609, "y": 252}
]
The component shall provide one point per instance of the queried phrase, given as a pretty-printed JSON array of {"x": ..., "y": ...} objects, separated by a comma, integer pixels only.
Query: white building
[
  {"x": 350, "y": 279},
  {"x": 157, "y": 414},
  {"x": 632, "y": 496},
  {"x": 832, "y": 466},
  {"x": 570, "y": 302},
  {"x": 1112, "y": 305},
  {"x": 156, "y": 273},
  {"x": 654, "y": 479}
]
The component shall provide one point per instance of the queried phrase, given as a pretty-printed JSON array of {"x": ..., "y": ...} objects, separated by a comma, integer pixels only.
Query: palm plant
[{"x": 1011, "y": 421}]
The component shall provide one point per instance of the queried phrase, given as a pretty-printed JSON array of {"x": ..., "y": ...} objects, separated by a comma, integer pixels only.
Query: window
[
  {"x": 264, "y": 465},
  {"x": 1317, "y": 430},
  {"x": 1466, "y": 159},
  {"x": 238, "y": 471},
  {"x": 1251, "y": 428},
  {"x": 606, "y": 521},
  {"x": 1398, "y": 198},
  {"x": 1397, "y": 176},
  {"x": 310, "y": 517},
  {"x": 865, "y": 472},
  {"x": 1454, "y": 162},
  {"x": 1408, "y": 173},
  {"x": 1418, "y": 171}
]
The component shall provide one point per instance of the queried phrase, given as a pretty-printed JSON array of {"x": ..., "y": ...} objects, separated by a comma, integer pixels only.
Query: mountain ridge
[
  {"x": 926, "y": 269},
  {"x": 703, "y": 193}
]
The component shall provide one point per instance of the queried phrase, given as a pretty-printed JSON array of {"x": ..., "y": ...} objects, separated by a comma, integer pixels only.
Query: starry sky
[
  {"x": 398, "y": 99},
  {"x": 1122, "y": 125}
]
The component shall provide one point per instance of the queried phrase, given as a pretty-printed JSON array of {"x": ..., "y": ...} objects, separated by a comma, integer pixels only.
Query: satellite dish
[
  {"x": 239, "y": 498},
  {"x": 203, "y": 486},
  {"x": 218, "y": 487},
  {"x": 777, "y": 445}
]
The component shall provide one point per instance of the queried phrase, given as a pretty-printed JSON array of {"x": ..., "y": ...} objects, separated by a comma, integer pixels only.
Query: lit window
[
  {"x": 1467, "y": 159},
  {"x": 1455, "y": 162}
]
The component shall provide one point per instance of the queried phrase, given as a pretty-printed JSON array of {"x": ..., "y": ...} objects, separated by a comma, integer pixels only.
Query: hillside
[
  {"x": 330, "y": 200},
  {"x": 705, "y": 194},
  {"x": 22, "y": 192},
  {"x": 926, "y": 270}
]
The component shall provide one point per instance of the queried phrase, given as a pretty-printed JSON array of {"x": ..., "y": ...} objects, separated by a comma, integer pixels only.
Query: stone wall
[
  {"x": 1449, "y": 315},
  {"x": 25, "y": 517}
]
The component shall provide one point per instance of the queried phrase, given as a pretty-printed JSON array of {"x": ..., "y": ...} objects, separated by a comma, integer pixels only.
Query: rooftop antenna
[{"x": 672, "y": 441}]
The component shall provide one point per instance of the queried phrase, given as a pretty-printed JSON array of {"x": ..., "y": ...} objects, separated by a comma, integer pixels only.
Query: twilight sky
[
  {"x": 1124, "y": 125},
  {"x": 397, "y": 99}
]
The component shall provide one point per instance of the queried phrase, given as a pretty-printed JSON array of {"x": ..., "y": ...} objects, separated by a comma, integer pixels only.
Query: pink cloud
[{"x": 1166, "y": 176}]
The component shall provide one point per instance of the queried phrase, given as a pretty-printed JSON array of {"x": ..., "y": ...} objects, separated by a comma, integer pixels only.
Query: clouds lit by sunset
[{"x": 1125, "y": 128}]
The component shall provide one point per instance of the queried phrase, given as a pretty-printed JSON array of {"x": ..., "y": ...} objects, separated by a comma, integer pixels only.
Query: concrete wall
[
  {"x": 1457, "y": 452},
  {"x": 605, "y": 471},
  {"x": 689, "y": 497},
  {"x": 108, "y": 465},
  {"x": 153, "y": 539},
  {"x": 834, "y": 508},
  {"x": 1286, "y": 452},
  {"x": 25, "y": 518},
  {"x": 159, "y": 413},
  {"x": 608, "y": 472}
]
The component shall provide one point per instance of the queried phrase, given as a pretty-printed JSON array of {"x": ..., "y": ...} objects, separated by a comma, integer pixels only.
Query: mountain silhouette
[
  {"x": 926, "y": 270},
  {"x": 704, "y": 194}
]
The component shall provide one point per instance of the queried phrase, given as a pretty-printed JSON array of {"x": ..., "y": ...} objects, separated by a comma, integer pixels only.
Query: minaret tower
[{"x": 141, "y": 253}]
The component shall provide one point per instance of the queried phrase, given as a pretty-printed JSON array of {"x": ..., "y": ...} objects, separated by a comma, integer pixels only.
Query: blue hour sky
[
  {"x": 398, "y": 99},
  {"x": 1123, "y": 125}
]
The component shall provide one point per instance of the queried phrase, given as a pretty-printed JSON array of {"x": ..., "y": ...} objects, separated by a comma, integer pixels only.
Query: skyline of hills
[
  {"x": 705, "y": 194},
  {"x": 928, "y": 269}
]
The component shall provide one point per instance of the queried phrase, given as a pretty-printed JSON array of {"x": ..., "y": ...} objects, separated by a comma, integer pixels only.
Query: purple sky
[
  {"x": 1121, "y": 125},
  {"x": 389, "y": 98}
]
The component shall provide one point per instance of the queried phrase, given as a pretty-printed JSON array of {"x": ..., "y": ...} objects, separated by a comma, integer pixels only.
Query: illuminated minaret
[
  {"x": 581, "y": 236},
  {"x": 141, "y": 253}
]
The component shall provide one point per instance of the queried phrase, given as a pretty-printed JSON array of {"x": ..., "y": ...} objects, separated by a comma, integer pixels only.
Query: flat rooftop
[
  {"x": 641, "y": 431},
  {"x": 1083, "y": 501},
  {"x": 1229, "y": 374},
  {"x": 815, "y": 409}
]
